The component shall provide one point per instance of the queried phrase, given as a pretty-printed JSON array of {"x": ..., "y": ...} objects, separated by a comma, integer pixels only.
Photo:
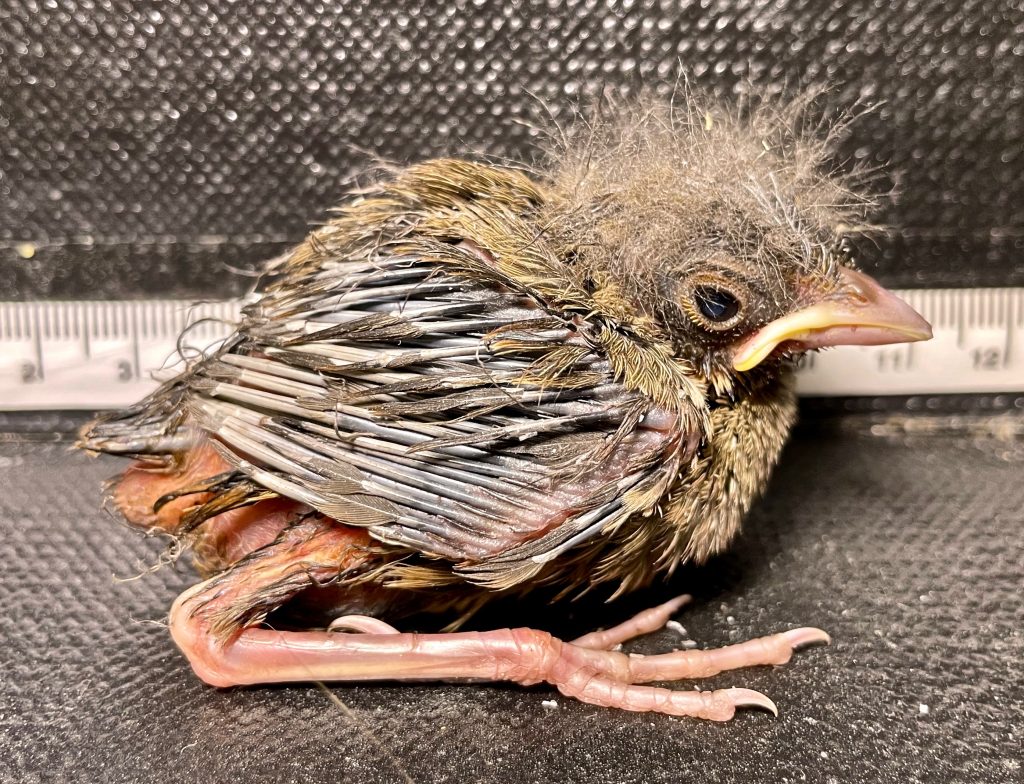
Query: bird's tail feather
[{"x": 152, "y": 430}]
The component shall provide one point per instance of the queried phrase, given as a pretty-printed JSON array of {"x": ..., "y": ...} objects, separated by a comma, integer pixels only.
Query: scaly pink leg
[
  {"x": 524, "y": 656},
  {"x": 772, "y": 649}
]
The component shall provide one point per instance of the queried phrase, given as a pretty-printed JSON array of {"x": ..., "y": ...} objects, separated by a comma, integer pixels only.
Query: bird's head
[{"x": 728, "y": 233}]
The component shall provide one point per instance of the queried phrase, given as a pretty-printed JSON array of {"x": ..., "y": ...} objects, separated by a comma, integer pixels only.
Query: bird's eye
[{"x": 719, "y": 306}]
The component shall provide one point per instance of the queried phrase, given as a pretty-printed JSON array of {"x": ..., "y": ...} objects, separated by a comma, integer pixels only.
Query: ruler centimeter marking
[{"x": 106, "y": 354}]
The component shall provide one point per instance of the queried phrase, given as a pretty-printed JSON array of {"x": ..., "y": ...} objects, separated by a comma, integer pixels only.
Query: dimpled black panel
[{"x": 151, "y": 148}]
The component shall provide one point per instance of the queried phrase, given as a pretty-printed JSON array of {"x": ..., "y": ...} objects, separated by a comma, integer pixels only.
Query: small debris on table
[{"x": 677, "y": 627}]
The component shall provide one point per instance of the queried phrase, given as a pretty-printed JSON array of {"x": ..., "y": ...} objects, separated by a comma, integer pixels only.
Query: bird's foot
[
  {"x": 582, "y": 669},
  {"x": 772, "y": 649}
]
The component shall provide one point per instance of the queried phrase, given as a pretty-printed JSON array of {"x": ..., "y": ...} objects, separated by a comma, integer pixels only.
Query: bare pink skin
[
  {"x": 225, "y": 538},
  {"x": 583, "y": 669}
]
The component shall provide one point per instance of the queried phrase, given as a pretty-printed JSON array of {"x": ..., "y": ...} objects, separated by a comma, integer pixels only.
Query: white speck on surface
[
  {"x": 677, "y": 627},
  {"x": 824, "y": 755},
  {"x": 923, "y": 709},
  {"x": 810, "y": 721},
  {"x": 730, "y": 619},
  {"x": 690, "y": 644},
  {"x": 550, "y": 704}
]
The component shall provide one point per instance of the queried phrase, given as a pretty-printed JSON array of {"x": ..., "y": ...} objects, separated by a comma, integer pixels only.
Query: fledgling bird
[{"x": 478, "y": 379}]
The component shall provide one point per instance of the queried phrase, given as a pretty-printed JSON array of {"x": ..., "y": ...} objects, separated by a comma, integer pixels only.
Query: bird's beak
[{"x": 859, "y": 313}]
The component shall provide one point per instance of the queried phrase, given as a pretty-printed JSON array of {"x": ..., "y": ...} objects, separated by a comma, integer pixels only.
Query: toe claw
[
  {"x": 807, "y": 635},
  {"x": 362, "y": 624},
  {"x": 748, "y": 698}
]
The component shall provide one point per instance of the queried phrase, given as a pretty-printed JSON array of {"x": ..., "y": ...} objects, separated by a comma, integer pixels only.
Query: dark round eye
[{"x": 715, "y": 304}]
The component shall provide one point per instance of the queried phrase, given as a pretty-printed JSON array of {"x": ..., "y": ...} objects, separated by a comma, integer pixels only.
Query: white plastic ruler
[{"x": 90, "y": 354}]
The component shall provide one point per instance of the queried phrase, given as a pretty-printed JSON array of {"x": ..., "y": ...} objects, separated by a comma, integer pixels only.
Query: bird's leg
[
  {"x": 525, "y": 656},
  {"x": 251, "y": 654}
]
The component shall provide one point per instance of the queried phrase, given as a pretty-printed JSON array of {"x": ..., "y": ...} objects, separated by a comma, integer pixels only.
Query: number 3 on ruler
[{"x": 30, "y": 373}]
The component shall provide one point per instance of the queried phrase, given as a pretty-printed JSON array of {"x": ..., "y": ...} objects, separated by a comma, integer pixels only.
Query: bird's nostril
[{"x": 857, "y": 295}]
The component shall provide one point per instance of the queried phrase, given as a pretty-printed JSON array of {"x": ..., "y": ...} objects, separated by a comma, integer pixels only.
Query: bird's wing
[
  {"x": 447, "y": 412},
  {"x": 436, "y": 374}
]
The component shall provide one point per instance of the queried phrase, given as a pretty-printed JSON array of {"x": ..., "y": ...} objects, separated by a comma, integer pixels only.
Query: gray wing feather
[{"x": 452, "y": 417}]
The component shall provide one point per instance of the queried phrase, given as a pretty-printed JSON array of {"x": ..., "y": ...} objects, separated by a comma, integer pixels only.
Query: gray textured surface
[
  {"x": 148, "y": 147},
  {"x": 909, "y": 553}
]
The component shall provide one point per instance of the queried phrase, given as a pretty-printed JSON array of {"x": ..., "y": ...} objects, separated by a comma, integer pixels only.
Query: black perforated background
[
  {"x": 145, "y": 148},
  {"x": 149, "y": 149}
]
